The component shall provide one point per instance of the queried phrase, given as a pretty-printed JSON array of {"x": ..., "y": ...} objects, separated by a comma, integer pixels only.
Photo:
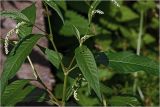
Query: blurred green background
[{"x": 116, "y": 30}]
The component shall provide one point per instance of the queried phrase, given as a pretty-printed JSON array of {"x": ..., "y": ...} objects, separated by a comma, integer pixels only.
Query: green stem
[
  {"x": 32, "y": 66},
  {"x": 51, "y": 37},
  {"x": 138, "y": 49},
  {"x": 140, "y": 34},
  {"x": 104, "y": 101},
  {"x": 40, "y": 29},
  {"x": 71, "y": 62},
  {"x": 39, "y": 79},
  {"x": 72, "y": 69},
  {"x": 63, "y": 68},
  {"x": 64, "y": 89}
]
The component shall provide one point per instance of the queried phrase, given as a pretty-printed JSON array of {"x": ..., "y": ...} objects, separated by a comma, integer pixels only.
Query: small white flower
[
  {"x": 16, "y": 29},
  {"x": 83, "y": 79},
  {"x": 115, "y": 2},
  {"x": 98, "y": 11},
  {"x": 75, "y": 95},
  {"x": 18, "y": 25},
  {"x": 6, "y": 40}
]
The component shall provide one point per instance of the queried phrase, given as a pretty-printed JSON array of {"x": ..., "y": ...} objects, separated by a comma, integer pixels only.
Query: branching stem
[
  {"x": 139, "y": 40},
  {"x": 51, "y": 38},
  {"x": 39, "y": 79}
]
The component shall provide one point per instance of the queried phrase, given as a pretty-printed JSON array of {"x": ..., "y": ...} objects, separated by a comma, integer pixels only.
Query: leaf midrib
[
  {"x": 88, "y": 69},
  {"x": 131, "y": 64},
  {"x": 28, "y": 46}
]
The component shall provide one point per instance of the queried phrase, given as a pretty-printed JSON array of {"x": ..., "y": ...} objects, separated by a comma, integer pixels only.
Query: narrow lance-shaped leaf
[
  {"x": 123, "y": 101},
  {"x": 16, "y": 57},
  {"x": 88, "y": 67},
  {"x": 92, "y": 8},
  {"x": 62, "y": 4},
  {"x": 30, "y": 13},
  {"x": 54, "y": 6},
  {"x": 76, "y": 31},
  {"x": 14, "y": 15},
  {"x": 129, "y": 62},
  {"x": 52, "y": 56},
  {"x": 16, "y": 92}
]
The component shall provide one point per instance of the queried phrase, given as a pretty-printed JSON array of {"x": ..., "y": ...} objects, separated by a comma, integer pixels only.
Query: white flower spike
[
  {"x": 18, "y": 25},
  {"x": 7, "y": 40},
  {"x": 16, "y": 29},
  {"x": 75, "y": 95}
]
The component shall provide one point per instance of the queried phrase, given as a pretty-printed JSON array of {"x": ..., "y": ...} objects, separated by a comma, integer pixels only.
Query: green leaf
[
  {"x": 30, "y": 13},
  {"x": 88, "y": 67},
  {"x": 14, "y": 15},
  {"x": 144, "y": 5},
  {"x": 16, "y": 92},
  {"x": 86, "y": 100},
  {"x": 52, "y": 56},
  {"x": 128, "y": 62},
  {"x": 106, "y": 90},
  {"x": 125, "y": 11},
  {"x": 54, "y": 6},
  {"x": 16, "y": 57},
  {"x": 62, "y": 4},
  {"x": 76, "y": 33},
  {"x": 92, "y": 8},
  {"x": 73, "y": 19},
  {"x": 37, "y": 95},
  {"x": 123, "y": 101},
  {"x": 130, "y": 34},
  {"x": 147, "y": 38},
  {"x": 58, "y": 91},
  {"x": 109, "y": 24}
]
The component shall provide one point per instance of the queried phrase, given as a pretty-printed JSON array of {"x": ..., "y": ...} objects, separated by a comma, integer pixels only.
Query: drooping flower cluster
[
  {"x": 10, "y": 33},
  {"x": 7, "y": 40},
  {"x": 77, "y": 84},
  {"x": 18, "y": 25},
  {"x": 75, "y": 95}
]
